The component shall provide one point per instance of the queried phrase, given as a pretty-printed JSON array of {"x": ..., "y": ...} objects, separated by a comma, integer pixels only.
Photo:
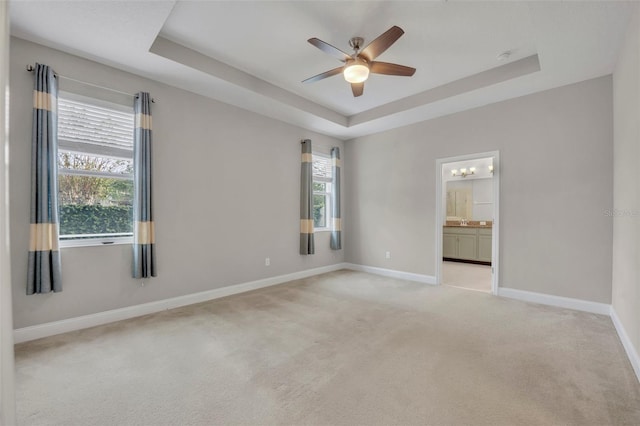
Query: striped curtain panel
[
  {"x": 144, "y": 247},
  {"x": 336, "y": 229},
  {"x": 44, "y": 273},
  {"x": 306, "y": 200}
]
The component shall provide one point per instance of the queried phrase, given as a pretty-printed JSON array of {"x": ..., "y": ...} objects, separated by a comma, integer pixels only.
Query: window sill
[
  {"x": 95, "y": 242},
  {"x": 321, "y": 230}
]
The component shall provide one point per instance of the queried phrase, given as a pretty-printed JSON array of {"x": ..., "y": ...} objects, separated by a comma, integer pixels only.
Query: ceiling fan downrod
[{"x": 356, "y": 43}]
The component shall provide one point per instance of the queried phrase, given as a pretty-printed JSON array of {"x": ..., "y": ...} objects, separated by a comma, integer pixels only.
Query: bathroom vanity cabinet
[{"x": 468, "y": 243}]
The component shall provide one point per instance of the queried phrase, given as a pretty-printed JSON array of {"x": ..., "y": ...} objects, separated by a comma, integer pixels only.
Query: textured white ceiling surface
[{"x": 254, "y": 54}]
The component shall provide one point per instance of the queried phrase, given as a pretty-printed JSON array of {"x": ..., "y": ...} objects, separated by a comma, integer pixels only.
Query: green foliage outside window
[
  {"x": 319, "y": 211},
  {"x": 83, "y": 189},
  {"x": 95, "y": 219},
  {"x": 94, "y": 204},
  {"x": 320, "y": 204}
]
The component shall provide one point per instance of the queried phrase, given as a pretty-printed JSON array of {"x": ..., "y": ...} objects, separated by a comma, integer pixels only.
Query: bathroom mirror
[{"x": 460, "y": 203}]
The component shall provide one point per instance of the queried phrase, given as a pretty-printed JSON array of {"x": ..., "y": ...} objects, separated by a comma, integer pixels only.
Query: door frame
[
  {"x": 7, "y": 365},
  {"x": 495, "y": 246}
]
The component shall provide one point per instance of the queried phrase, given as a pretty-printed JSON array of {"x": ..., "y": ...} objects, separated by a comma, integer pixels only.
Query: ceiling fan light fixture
[{"x": 356, "y": 71}]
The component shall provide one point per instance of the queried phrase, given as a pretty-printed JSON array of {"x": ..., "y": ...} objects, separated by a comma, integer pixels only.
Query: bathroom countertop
[{"x": 472, "y": 224}]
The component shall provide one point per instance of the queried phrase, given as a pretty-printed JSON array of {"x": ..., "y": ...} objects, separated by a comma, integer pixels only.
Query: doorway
[{"x": 467, "y": 221}]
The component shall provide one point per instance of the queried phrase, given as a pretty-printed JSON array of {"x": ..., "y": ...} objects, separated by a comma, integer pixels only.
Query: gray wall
[
  {"x": 227, "y": 185},
  {"x": 626, "y": 229},
  {"x": 556, "y": 179}
]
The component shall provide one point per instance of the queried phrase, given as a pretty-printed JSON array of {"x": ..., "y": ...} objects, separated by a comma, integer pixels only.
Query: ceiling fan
[{"x": 357, "y": 67}]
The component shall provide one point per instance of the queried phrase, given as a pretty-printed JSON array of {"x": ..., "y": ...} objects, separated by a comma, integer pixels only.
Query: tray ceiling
[{"x": 254, "y": 54}]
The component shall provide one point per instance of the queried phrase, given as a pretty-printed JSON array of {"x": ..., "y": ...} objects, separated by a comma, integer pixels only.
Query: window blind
[
  {"x": 322, "y": 168},
  {"x": 83, "y": 127}
]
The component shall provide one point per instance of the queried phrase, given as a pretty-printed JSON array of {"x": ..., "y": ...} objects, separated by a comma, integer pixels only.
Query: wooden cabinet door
[
  {"x": 449, "y": 245},
  {"x": 467, "y": 247},
  {"x": 484, "y": 248}
]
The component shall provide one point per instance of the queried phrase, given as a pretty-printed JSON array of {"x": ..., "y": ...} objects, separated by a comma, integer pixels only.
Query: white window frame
[
  {"x": 87, "y": 240},
  {"x": 327, "y": 194}
]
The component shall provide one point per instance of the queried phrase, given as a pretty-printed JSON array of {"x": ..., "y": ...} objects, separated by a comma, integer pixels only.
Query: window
[
  {"x": 322, "y": 176},
  {"x": 95, "y": 171}
]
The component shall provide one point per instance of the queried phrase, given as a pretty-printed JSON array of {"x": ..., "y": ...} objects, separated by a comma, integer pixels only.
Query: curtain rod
[{"x": 30, "y": 68}]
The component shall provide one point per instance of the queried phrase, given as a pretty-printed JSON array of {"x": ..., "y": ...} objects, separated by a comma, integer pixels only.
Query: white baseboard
[
  {"x": 632, "y": 353},
  {"x": 426, "y": 279},
  {"x": 51, "y": 328},
  {"x": 580, "y": 305},
  {"x": 561, "y": 302},
  {"x": 86, "y": 321}
]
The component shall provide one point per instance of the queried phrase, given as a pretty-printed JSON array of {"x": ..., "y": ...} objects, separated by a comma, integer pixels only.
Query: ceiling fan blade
[
  {"x": 323, "y": 75},
  {"x": 329, "y": 49},
  {"x": 382, "y": 43},
  {"x": 391, "y": 69},
  {"x": 357, "y": 89}
]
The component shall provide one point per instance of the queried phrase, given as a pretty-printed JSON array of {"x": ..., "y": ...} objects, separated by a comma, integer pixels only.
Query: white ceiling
[{"x": 254, "y": 54}]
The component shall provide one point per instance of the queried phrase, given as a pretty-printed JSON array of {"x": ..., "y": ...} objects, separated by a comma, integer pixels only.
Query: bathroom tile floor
[{"x": 467, "y": 275}]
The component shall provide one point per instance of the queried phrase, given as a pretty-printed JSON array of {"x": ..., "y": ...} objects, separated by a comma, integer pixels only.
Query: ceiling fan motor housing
[{"x": 356, "y": 43}]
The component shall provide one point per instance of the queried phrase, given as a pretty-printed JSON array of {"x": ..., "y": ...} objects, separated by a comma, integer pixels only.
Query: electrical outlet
[
  {"x": 267, "y": 261},
  {"x": 387, "y": 255}
]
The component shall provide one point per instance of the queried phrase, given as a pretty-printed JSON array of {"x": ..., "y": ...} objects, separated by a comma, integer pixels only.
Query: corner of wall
[
  {"x": 625, "y": 293},
  {"x": 632, "y": 353}
]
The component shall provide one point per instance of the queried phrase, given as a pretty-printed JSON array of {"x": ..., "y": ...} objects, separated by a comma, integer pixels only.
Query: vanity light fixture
[{"x": 464, "y": 172}]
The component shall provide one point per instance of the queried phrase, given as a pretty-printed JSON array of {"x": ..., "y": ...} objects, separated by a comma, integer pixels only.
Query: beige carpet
[{"x": 344, "y": 348}]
